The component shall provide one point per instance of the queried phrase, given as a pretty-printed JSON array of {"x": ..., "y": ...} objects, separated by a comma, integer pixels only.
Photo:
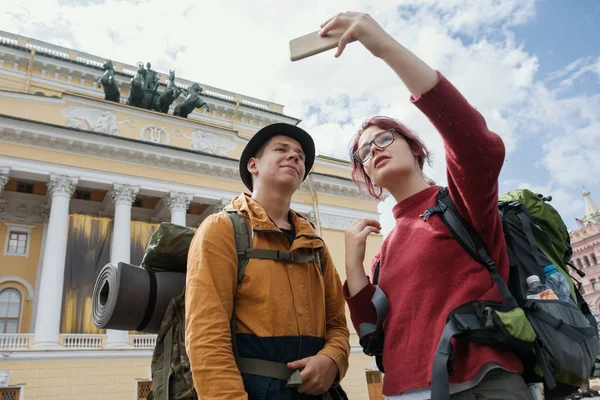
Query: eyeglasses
[{"x": 381, "y": 140}]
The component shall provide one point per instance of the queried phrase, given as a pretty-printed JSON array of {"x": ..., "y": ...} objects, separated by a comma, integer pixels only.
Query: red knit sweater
[{"x": 424, "y": 272}]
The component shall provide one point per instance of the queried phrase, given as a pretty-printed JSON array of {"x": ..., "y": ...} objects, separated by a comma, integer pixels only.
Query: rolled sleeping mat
[{"x": 127, "y": 297}]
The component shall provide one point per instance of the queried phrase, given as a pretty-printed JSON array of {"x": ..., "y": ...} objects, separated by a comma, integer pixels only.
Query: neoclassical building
[
  {"x": 84, "y": 181},
  {"x": 586, "y": 251}
]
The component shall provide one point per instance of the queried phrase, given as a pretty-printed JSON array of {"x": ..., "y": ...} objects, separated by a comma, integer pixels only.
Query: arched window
[
  {"x": 10, "y": 310},
  {"x": 594, "y": 260},
  {"x": 579, "y": 265},
  {"x": 586, "y": 260}
]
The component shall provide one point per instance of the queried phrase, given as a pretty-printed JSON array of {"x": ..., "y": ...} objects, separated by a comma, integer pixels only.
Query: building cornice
[{"x": 115, "y": 148}]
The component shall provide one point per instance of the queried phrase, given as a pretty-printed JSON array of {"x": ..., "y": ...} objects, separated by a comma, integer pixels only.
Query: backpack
[
  {"x": 557, "y": 341},
  {"x": 170, "y": 366}
]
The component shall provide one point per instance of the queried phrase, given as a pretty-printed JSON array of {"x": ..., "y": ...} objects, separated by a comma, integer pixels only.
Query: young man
[{"x": 290, "y": 319}]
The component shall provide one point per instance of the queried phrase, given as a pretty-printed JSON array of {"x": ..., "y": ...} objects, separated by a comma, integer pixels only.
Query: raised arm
[{"x": 474, "y": 154}]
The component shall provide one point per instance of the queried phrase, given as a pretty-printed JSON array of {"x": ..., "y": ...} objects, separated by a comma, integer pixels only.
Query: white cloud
[{"x": 243, "y": 47}]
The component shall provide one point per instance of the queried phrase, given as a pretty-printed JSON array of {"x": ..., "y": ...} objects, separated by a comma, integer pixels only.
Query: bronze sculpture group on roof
[{"x": 144, "y": 91}]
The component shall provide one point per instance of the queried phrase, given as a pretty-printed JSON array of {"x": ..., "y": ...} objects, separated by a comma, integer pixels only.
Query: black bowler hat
[{"x": 266, "y": 133}]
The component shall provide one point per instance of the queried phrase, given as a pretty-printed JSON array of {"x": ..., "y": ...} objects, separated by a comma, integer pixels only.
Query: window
[
  {"x": 594, "y": 259},
  {"x": 24, "y": 187},
  {"x": 18, "y": 239},
  {"x": 595, "y": 285},
  {"x": 10, "y": 310},
  {"x": 10, "y": 393},
  {"x": 143, "y": 389},
  {"x": 579, "y": 263},
  {"x": 586, "y": 260},
  {"x": 17, "y": 242},
  {"x": 82, "y": 194}
]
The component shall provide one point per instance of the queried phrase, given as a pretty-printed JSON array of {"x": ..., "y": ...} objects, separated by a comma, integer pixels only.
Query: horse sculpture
[
  {"x": 169, "y": 95},
  {"x": 136, "y": 96},
  {"x": 107, "y": 80},
  {"x": 192, "y": 101}
]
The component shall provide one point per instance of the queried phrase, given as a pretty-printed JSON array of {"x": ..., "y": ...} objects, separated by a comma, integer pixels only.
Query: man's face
[{"x": 280, "y": 166}]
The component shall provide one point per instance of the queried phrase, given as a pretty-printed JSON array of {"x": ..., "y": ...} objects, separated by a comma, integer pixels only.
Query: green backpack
[
  {"x": 170, "y": 366},
  {"x": 557, "y": 341}
]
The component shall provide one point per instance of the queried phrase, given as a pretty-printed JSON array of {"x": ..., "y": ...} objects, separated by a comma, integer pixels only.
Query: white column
[
  {"x": 47, "y": 320},
  {"x": 44, "y": 213},
  {"x": 120, "y": 250},
  {"x": 3, "y": 177},
  {"x": 178, "y": 204}
]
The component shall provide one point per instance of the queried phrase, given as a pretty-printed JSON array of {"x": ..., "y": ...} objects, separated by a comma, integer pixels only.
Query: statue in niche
[
  {"x": 169, "y": 95},
  {"x": 191, "y": 102},
  {"x": 107, "y": 80}
]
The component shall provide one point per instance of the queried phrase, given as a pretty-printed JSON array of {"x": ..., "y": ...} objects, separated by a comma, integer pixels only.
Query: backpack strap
[
  {"x": 243, "y": 241},
  {"x": 369, "y": 339},
  {"x": 457, "y": 324},
  {"x": 468, "y": 238},
  {"x": 442, "y": 362},
  {"x": 167, "y": 370}
]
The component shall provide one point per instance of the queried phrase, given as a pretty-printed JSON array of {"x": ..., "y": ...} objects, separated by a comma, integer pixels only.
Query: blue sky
[
  {"x": 561, "y": 33},
  {"x": 531, "y": 67}
]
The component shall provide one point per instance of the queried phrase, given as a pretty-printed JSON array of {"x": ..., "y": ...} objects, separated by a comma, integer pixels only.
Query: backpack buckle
[
  {"x": 295, "y": 379},
  {"x": 287, "y": 256},
  {"x": 440, "y": 208}
]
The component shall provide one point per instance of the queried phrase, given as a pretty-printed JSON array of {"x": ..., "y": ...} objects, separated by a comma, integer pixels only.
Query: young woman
[{"x": 424, "y": 272}]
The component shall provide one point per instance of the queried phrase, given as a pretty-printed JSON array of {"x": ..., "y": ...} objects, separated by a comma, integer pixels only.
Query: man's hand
[{"x": 318, "y": 374}]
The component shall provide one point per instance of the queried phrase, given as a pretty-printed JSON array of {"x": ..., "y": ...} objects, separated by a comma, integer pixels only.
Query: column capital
[
  {"x": 62, "y": 185},
  {"x": 123, "y": 193},
  {"x": 3, "y": 177},
  {"x": 221, "y": 204},
  {"x": 179, "y": 201}
]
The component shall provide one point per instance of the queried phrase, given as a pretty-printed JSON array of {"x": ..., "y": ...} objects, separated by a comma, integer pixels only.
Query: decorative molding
[
  {"x": 336, "y": 222},
  {"x": 155, "y": 134},
  {"x": 339, "y": 218},
  {"x": 28, "y": 213},
  {"x": 179, "y": 201},
  {"x": 124, "y": 194},
  {"x": 139, "y": 153},
  {"x": 93, "y": 119},
  {"x": 4, "y": 171},
  {"x": 18, "y": 279},
  {"x": 208, "y": 142},
  {"x": 62, "y": 185}
]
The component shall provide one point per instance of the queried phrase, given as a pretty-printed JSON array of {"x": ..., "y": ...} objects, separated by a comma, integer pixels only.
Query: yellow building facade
[{"x": 84, "y": 181}]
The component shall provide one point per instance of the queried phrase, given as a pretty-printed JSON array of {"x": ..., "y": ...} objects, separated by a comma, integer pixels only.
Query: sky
[{"x": 532, "y": 68}]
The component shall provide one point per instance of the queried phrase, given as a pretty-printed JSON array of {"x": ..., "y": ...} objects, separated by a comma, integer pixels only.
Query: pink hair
[{"x": 418, "y": 148}]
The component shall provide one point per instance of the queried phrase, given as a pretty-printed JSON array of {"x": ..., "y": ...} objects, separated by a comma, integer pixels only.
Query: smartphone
[{"x": 313, "y": 43}]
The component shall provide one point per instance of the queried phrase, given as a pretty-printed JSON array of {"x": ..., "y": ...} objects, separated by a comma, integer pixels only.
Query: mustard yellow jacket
[{"x": 284, "y": 311}]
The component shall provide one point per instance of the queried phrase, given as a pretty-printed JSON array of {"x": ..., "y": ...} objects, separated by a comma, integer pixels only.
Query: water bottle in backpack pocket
[
  {"x": 558, "y": 283},
  {"x": 537, "y": 290}
]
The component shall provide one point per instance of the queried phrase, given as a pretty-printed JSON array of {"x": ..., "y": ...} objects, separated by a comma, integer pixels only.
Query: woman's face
[{"x": 386, "y": 165}]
